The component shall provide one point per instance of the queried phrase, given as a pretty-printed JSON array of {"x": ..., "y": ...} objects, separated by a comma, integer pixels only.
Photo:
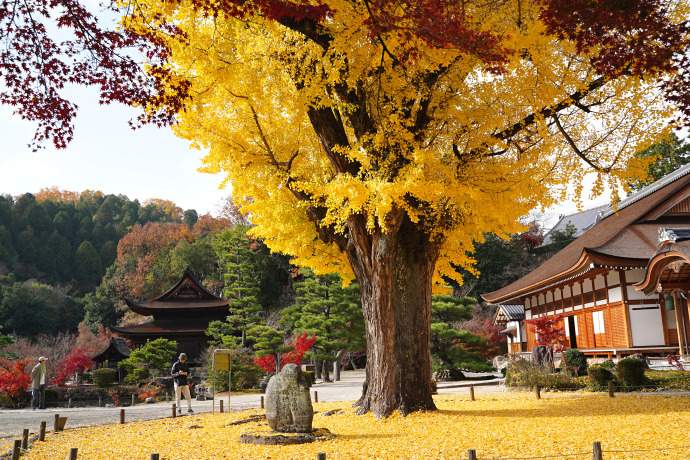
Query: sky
[{"x": 107, "y": 155}]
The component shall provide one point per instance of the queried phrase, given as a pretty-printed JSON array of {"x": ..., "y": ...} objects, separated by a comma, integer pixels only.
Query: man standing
[
  {"x": 38, "y": 384},
  {"x": 180, "y": 372}
]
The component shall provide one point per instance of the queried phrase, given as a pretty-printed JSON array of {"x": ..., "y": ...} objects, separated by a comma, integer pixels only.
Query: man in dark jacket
[{"x": 180, "y": 372}]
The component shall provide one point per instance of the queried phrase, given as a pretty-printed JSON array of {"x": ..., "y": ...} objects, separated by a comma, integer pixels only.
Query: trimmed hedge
[
  {"x": 630, "y": 373},
  {"x": 598, "y": 377},
  {"x": 104, "y": 377}
]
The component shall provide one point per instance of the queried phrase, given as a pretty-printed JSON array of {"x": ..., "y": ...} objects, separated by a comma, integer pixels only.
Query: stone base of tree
[{"x": 274, "y": 438}]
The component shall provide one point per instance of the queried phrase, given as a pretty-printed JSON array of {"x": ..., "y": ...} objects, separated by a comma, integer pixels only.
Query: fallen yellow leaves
[{"x": 510, "y": 425}]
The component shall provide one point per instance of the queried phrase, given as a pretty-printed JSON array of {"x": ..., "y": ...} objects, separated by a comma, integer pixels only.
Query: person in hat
[
  {"x": 38, "y": 384},
  {"x": 180, "y": 374}
]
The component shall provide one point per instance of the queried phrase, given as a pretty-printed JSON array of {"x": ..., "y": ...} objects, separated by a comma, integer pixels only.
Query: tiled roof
[{"x": 628, "y": 235}]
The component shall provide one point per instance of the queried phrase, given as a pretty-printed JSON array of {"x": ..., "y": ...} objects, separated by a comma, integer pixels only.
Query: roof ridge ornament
[{"x": 667, "y": 236}]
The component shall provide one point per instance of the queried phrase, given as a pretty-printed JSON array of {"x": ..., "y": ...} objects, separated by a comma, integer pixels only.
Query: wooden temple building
[
  {"x": 621, "y": 287},
  {"x": 183, "y": 314}
]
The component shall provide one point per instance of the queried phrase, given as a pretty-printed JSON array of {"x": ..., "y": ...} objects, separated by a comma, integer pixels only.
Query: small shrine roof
[{"x": 187, "y": 294}]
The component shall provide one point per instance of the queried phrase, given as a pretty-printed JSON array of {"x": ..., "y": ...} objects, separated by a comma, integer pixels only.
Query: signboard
[{"x": 221, "y": 362}]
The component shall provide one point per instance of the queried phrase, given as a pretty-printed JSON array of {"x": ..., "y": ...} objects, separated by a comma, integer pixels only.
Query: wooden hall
[
  {"x": 621, "y": 287},
  {"x": 183, "y": 314}
]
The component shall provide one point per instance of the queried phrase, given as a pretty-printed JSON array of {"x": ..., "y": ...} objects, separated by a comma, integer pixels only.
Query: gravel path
[{"x": 349, "y": 388}]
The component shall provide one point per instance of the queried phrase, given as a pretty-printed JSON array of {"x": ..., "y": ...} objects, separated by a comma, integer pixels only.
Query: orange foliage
[
  {"x": 91, "y": 343},
  {"x": 143, "y": 247},
  {"x": 55, "y": 194},
  {"x": 167, "y": 207},
  {"x": 208, "y": 225}
]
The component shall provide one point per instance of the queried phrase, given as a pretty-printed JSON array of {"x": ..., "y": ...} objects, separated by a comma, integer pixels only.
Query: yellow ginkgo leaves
[{"x": 510, "y": 425}]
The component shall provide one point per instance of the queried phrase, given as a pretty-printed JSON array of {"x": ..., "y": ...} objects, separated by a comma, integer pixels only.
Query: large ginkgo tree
[{"x": 380, "y": 139}]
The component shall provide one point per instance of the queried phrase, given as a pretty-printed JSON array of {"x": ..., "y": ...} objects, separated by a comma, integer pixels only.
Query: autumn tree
[
  {"x": 549, "y": 331},
  {"x": 668, "y": 155},
  {"x": 380, "y": 141}
]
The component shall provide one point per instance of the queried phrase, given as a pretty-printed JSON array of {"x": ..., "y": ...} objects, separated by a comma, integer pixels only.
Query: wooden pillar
[
  {"x": 626, "y": 310},
  {"x": 680, "y": 323}
]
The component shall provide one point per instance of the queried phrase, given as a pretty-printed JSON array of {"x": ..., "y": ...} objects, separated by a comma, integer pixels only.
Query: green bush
[
  {"x": 574, "y": 362},
  {"x": 598, "y": 377},
  {"x": 630, "y": 373},
  {"x": 527, "y": 374},
  {"x": 104, "y": 377},
  {"x": 310, "y": 377},
  {"x": 245, "y": 374}
]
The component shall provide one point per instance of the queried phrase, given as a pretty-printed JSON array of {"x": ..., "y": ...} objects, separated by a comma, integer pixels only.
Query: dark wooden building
[{"x": 182, "y": 314}]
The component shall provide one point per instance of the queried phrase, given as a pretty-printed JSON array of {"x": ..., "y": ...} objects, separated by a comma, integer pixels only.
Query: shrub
[
  {"x": 310, "y": 377},
  {"x": 245, "y": 374},
  {"x": 104, "y": 377},
  {"x": 574, "y": 362},
  {"x": 52, "y": 397},
  {"x": 630, "y": 373},
  {"x": 527, "y": 374},
  {"x": 598, "y": 377}
]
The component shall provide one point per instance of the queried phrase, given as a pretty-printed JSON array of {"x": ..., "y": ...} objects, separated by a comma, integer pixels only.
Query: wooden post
[
  {"x": 134, "y": 398},
  {"x": 154, "y": 457},
  {"x": 471, "y": 392},
  {"x": 262, "y": 402},
  {"x": 316, "y": 396},
  {"x": 167, "y": 397},
  {"x": 69, "y": 403},
  {"x": 73, "y": 453},
  {"x": 42, "y": 431},
  {"x": 471, "y": 454},
  {"x": 57, "y": 421},
  {"x": 174, "y": 406},
  {"x": 25, "y": 438},
  {"x": 17, "y": 450},
  {"x": 221, "y": 405},
  {"x": 321, "y": 456},
  {"x": 597, "y": 451},
  {"x": 611, "y": 388},
  {"x": 100, "y": 401},
  {"x": 122, "y": 416},
  {"x": 537, "y": 391}
]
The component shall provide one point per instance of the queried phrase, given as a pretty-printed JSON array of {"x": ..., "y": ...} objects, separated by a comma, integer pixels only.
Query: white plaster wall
[
  {"x": 615, "y": 294},
  {"x": 634, "y": 294},
  {"x": 613, "y": 278},
  {"x": 599, "y": 282},
  {"x": 646, "y": 326}
]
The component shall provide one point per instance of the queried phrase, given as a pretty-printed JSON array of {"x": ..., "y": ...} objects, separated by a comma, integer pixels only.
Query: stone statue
[{"x": 288, "y": 404}]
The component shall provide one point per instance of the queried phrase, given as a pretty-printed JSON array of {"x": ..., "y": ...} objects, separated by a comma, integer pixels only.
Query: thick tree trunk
[
  {"x": 317, "y": 368},
  {"x": 336, "y": 366},
  {"x": 395, "y": 272},
  {"x": 325, "y": 377}
]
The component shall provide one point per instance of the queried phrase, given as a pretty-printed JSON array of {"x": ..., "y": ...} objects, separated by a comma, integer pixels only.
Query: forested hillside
[{"x": 59, "y": 237}]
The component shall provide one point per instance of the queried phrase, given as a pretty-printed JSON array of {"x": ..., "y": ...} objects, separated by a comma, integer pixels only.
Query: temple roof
[
  {"x": 626, "y": 238},
  {"x": 116, "y": 346},
  {"x": 188, "y": 294},
  {"x": 162, "y": 328}
]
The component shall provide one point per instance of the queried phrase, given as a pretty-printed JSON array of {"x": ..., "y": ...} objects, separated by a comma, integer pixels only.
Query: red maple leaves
[{"x": 302, "y": 343}]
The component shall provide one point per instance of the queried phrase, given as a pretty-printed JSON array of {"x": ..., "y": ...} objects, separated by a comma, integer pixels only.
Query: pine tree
[
  {"x": 449, "y": 346},
  {"x": 331, "y": 312},
  {"x": 235, "y": 251}
]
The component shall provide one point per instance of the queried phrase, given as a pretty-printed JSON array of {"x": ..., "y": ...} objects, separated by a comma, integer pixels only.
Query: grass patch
[{"x": 673, "y": 380}]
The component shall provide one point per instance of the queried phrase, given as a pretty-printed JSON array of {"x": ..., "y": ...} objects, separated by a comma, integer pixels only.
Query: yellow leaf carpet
[{"x": 509, "y": 425}]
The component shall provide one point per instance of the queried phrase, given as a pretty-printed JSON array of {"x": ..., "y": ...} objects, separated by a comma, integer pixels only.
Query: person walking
[
  {"x": 180, "y": 374},
  {"x": 38, "y": 384}
]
